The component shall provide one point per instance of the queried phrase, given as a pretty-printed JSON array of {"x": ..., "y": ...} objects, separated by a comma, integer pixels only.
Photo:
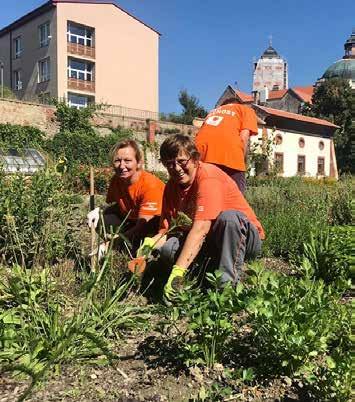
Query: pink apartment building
[{"x": 82, "y": 50}]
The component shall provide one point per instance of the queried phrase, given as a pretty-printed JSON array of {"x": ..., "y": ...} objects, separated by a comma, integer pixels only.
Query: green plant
[
  {"x": 327, "y": 256},
  {"x": 41, "y": 328},
  {"x": 20, "y": 137},
  {"x": 204, "y": 337},
  {"x": 33, "y": 212},
  {"x": 290, "y": 208},
  {"x": 297, "y": 323}
]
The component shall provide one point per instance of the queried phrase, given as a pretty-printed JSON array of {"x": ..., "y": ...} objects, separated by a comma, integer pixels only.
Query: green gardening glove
[
  {"x": 175, "y": 281},
  {"x": 146, "y": 247}
]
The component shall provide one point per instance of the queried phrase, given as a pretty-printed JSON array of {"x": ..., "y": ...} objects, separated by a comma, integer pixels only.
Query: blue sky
[{"x": 206, "y": 45}]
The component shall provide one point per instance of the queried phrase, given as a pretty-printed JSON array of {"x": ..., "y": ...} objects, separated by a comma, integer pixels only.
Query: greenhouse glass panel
[{"x": 27, "y": 161}]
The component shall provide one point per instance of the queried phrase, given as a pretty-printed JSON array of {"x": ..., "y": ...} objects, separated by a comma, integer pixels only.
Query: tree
[
  {"x": 191, "y": 109},
  {"x": 332, "y": 101}
]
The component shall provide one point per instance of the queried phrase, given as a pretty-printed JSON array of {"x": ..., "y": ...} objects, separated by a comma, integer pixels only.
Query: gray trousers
[{"x": 231, "y": 240}]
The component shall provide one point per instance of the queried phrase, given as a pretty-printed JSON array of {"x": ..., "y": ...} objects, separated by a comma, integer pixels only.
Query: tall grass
[{"x": 289, "y": 209}]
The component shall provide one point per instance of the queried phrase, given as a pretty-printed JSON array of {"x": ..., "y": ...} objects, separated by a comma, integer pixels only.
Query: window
[
  {"x": 279, "y": 162},
  {"x": 44, "y": 34},
  {"x": 320, "y": 166},
  {"x": 80, "y": 69},
  {"x": 17, "y": 80},
  {"x": 80, "y": 34},
  {"x": 301, "y": 142},
  {"x": 321, "y": 145},
  {"x": 278, "y": 139},
  {"x": 17, "y": 47},
  {"x": 301, "y": 164},
  {"x": 44, "y": 70},
  {"x": 79, "y": 101}
]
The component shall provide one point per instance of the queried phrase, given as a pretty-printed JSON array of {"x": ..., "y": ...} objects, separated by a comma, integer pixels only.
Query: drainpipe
[{"x": 11, "y": 86}]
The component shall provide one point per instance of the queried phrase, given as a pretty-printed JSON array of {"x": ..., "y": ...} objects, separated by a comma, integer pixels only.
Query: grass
[{"x": 55, "y": 314}]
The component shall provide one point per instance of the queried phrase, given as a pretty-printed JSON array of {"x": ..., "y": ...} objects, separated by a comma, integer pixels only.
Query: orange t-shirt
[
  {"x": 211, "y": 193},
  {"x": 144, "y": 197},
  {"x": 218, "y": 139}
]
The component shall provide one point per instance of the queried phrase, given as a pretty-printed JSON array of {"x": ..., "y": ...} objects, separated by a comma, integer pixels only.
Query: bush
[
  {"x": 20, "y": 137},
  {"x": 301, "y": 330},
  {"x": 33, "y": 212},
  {"x": 327, "y": 256},
  {"x": 84, "y": 148},
  {"x": 289, "y": 209}
]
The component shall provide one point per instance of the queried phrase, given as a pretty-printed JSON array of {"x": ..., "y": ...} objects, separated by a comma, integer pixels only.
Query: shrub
[
  {"x": 327, "y": 256},
  {"x": 20, "y": 137},
  {"x": 289, "y": 209},
  {"x": 33, "y": 212},
  {"x": 301, "y": 330}
]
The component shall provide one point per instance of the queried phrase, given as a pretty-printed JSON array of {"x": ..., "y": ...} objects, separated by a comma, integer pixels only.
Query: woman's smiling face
[
  {"x": 125, "y": 164},
  {"x": 182, "y": 169}
]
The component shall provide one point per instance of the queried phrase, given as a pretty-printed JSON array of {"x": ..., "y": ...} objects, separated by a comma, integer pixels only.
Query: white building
[
  {"x": 301, "y": 145},
  {"x": 270, "y": 72}
]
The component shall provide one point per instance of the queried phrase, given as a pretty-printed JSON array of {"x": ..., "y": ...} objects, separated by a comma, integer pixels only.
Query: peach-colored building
[{"x": 82, "y": 50}]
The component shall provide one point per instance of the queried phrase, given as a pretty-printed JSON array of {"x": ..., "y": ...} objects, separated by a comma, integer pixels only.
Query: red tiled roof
[
  {"x": 295, "y": 116},
  {"x": 244, "y": 97},
  {"x": 277, "y": 94},
  {"x": 305, "y": 93}
]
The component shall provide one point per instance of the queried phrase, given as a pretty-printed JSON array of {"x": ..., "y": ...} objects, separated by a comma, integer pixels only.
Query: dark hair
[
  {"x": 171, "y": 147},
  {"x": 126, "y": 144}
]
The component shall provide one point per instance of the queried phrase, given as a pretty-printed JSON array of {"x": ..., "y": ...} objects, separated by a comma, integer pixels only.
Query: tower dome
[
  {"x": 344, "y": 68},
  {"x": 270, "y": 53}
]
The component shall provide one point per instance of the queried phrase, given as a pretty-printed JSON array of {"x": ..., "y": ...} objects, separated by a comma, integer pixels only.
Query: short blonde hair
[{"x": 126, "y": 144}]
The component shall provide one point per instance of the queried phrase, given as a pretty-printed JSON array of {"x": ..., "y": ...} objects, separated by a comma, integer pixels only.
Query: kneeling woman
[
  {"x": 224, "y": 226},
  {"x": 133, "y": 193}
]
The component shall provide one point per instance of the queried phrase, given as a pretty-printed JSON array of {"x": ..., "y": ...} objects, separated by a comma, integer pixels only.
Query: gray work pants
[{"x": 231, "y": 241}]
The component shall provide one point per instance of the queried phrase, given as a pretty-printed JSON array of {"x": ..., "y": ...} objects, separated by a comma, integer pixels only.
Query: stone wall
[{"x": 42, "y": 117}]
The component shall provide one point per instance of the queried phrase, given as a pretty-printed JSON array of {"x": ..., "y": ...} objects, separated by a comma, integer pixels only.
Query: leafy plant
[
  {"x": 296, "y": 323},
  {"x": 327, "y": 256},
  {"x": 33, "y": 214},
  {"x": 204, "y": 337}
]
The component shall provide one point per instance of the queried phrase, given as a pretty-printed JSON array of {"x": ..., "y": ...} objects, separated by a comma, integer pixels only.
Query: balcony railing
[
  {"x": 81, "y": 85},
  {"x": 81, "y": 50}
]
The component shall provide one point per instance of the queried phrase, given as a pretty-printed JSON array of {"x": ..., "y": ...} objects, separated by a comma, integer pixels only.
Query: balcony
[
  {"x": 81, "y": 50},
  {"x": 81, "y": 85}
]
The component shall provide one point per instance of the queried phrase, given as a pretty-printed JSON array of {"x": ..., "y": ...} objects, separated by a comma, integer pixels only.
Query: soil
[{"x": 139, "y": 375}]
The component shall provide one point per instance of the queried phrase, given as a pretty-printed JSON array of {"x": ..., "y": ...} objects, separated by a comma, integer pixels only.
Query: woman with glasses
[
  {"x": 222, "y": 222},
  {"x": 135, "y": 195}
]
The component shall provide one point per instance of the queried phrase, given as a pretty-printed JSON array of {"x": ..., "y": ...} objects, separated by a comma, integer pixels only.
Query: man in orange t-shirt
[
  {"x": 222, "y": 221},
  {"x": 224, "y": 136}
]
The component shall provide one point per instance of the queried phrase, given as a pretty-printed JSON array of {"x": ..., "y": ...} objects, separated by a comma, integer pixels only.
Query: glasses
[{"x": 175, "y": 162}]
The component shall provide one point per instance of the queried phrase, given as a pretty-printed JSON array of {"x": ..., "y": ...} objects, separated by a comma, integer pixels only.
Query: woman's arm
[{"x": 193, "y": 242}]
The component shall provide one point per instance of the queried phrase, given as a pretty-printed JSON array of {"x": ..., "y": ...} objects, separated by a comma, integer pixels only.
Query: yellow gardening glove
[
  {"x": 146, "y": 247},
  {"x": 175, "y": 281}
]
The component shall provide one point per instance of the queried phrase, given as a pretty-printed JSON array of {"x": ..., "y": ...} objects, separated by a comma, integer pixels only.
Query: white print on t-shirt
[
  {"x": 150, "y": 206},
  {"x": 200, "y": 208},
  {"x": 214, "y": 120},
  {"x": 221, "y": 111}
]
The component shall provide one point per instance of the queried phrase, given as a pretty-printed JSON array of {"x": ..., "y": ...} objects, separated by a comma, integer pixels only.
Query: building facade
[
  {"x": 300, "y": 145},
  {"x": 82, "y": 50},
  {"x": 270, "y": 72}
]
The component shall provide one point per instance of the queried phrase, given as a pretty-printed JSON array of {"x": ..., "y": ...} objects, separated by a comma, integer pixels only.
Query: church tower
[{"x": 270, "y": 71}]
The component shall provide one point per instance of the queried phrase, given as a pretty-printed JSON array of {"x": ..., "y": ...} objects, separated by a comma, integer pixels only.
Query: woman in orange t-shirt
[
  {"x": 224, "y": 137},
  {"x": 135, "y": 195},
  {"x": 223, "y": 226}
]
